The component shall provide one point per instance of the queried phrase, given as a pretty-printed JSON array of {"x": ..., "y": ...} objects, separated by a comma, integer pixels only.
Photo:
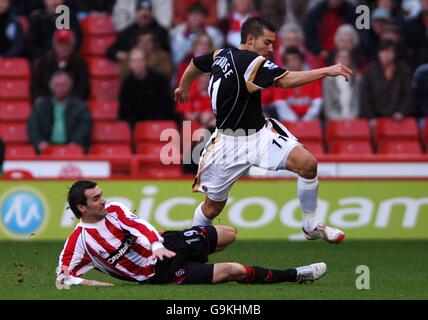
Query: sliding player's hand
[
  {"x": 340, "y": 70},
  {"x": 162, "y": 253},
  {"x": 181, "y": 95}
]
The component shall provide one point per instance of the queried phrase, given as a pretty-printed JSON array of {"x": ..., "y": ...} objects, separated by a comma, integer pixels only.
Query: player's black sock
[{"x": 263, "y": 275}]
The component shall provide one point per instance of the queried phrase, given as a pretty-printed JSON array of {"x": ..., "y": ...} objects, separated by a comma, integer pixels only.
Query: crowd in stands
[{"x": 132, "y": 53}]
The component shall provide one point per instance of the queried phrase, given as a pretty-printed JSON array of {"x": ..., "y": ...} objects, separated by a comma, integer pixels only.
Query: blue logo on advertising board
[{"x": 22, "y": 212}]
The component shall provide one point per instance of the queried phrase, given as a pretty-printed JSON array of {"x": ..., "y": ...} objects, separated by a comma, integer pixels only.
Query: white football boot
[
  {"x": 329, "y": 234},
  {"x": 311, "y": 272}
]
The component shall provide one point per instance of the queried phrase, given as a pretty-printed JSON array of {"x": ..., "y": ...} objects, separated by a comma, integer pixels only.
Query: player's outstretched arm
[
  {"x": 298, "y": 78},
  {"x": 181, "y": 94}
]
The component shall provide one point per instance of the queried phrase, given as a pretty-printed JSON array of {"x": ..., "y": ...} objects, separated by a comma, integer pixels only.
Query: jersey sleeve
[
  {"x": 205, "y": 62},
  {"x": 140, "y": 228},
  {"x": 261, "y": 74},
  {"x": 73, "y": 259}
]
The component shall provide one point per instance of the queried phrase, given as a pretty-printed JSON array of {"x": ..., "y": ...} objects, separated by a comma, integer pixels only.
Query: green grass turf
[{"x": 398, "y": 270}]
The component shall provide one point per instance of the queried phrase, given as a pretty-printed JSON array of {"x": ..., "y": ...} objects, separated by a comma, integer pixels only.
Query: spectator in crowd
[
  {"x": 42, "y": 26},
  {"x": 341, "y": 98},
  {"x": 198, "y": 108},
  {"x": 125, "y": 13},
  {"x": 11, "y": 32},
  {"x": 25, "y": 7},
  {"x": 201, "y": 45},
  {"x": 63, "y": 56},
  {"x": 346, "y": 38},
  {"x": 291, "y": 35},
  {"x": 391, "y": 33},
  {"x": 126, "y": 39},
  {"x": 230, "y": 25},
  {"x": 416, "y": 36},
  {"x": 322, "y": 22},
  {"x": 381, "y": 19},
  {"x": 275, "y": 10},
  {"x": 183, "y": 35},
  {"x": 300, "y": 103},
  {"x": 60, "y": 118},
  {"x": 386, "y": 87},
  {"x": 144, "y": 94},
  {"x": 85, "y": 8},
  {"x": 181, "y": 7},
  {"x": 157, "y": 59},
  {"x": 420, "y": 89}
]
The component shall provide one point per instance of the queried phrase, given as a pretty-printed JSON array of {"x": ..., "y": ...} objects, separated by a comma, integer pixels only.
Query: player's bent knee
[{"x": 308, "y": 169}]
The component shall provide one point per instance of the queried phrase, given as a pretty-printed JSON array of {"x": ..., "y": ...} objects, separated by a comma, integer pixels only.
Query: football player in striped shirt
[{"x": 113, "y": 240}]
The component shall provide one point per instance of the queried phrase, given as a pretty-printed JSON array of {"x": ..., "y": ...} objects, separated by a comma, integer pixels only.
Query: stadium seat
[
  {"x": 113, "y": 133},
  {"x": 352, "y": 129},
  {"x": 18, "y": 174},
  {"x": 152, "y": 130},
  {"x": 350, "y": 147},
  {"x": 98, "y": 25},
  {"x": 96, "y": 45},
  {"x": 111, "y": 150},
  {"x": 14, "y": 111},
  {"x": 389, "y": 129},
  {"x": 305, "y": 130},
  {"x": 20, "y": 150},
  {"x": 14, "y": 89},
  {"x": 14, "y": 68},
  {"x": 105, "y": 90},
  {"x": 399, "y": 147},
  {"x": 172, "y": 172},
  {"x": 315, "y": 147},
  {"x": 63, "y": 150},
  {"x": 103, "y": 68},
  {"x": 103, "y": 110},
  {"x": 14, "y": 133}
]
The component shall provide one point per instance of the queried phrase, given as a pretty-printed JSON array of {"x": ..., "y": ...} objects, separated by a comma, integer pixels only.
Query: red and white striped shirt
[{"x": 120, "y": 245}]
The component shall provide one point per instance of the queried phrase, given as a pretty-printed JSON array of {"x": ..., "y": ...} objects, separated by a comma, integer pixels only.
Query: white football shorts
[{"x": 227, "y": 157}]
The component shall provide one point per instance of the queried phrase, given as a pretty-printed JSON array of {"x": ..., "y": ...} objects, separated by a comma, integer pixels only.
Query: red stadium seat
[
  {"x": 152, "y": 130},
  {"x": 20, "y": 150},
  {"x": 14, "y": 68},
  {"x": 103, "y": 68},
  {"x": 399, "y": 147},
  {"x": 14, "y": 133},
  {"x": 14, "y": 111},
  {"x": 103, "y": 110},
  {"x": 117, "y": 132},
  {"x": 173, "y": 172},
  {"x": 96, "y": 45},
  {"x": 111, "y": 150},
  {"x": 352, "y": 129},
  {"x": 314, "y": 147},
  {"x": 350, "y": 147},
  {"x": 18, "y": 174},
  {"x": 387, "y": 128},
  {"x": 305, "y": 130},
  {"x": 98, "y": 25},
  {"x": 14, "y": 89},
  {"x": 64, "y": 150},
  {"x": 105, "y": 90}
]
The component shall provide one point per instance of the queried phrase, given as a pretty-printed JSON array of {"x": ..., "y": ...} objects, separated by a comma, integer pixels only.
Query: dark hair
[
  {"x": 386, "y": 45},
  {"x": 198, "y": 7},
  {"x": 294, "y": 50},
  {"x": 255, "y": 26},
  {"x": 76, "y": 195}
]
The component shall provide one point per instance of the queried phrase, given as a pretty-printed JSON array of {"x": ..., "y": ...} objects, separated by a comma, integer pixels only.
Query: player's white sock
[
  {"x": 199, "y": 218},
  {"x": 307, "y": 190}
]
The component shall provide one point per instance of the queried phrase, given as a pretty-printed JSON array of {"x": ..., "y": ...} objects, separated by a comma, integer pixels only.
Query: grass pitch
[{"x": 397, "y": 271}]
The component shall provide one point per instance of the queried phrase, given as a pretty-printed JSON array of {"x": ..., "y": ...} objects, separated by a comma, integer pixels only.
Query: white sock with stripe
[
  {"x": 307, "y": 190},
  {"x": 199, "y": 218}
]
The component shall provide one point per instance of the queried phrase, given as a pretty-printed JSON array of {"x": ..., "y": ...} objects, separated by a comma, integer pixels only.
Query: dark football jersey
[{"x": 237, "y": 76}]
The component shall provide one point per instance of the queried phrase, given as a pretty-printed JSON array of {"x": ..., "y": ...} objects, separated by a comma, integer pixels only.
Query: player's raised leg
[
  {"x": 207, "y": 211},
  {"x": 302, "y": 162},
  {"x": 225, "y": 236}
]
